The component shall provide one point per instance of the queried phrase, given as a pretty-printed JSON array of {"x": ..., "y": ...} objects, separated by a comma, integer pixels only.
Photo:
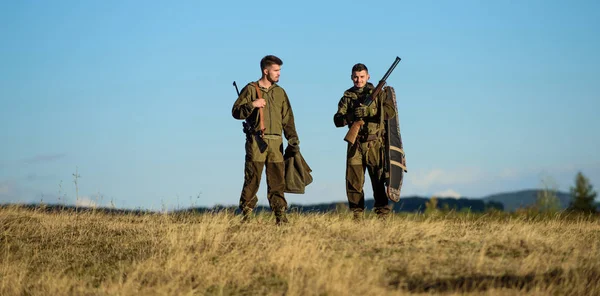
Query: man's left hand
[
  {"x": 364, "y": 111},
  {"x": 293, "y": 146}
]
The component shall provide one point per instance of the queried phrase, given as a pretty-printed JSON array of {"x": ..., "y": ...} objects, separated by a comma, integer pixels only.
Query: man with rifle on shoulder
[
  {"x": 364, "y": 108},
  {"x": 267, "y": 112}
]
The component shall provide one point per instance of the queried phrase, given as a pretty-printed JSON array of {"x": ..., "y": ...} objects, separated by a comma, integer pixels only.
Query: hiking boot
[
  {"x": 246, "y": 214},
  {"x": 382, "y": 213},
  {"x": 280, "y": 217},
  {"x": 382, "y": 217},
  {"x": 357, "y": 216}
]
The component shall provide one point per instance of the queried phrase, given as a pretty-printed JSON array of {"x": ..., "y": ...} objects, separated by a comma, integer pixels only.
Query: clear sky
[{"x": 136, "y": 96}]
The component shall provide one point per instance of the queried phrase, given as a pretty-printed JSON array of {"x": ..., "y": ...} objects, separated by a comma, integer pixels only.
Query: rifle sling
[{"x": 257, "y": 90}]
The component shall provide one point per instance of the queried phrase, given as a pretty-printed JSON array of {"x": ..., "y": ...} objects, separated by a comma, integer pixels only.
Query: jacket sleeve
[
  {"x": 242, "y": 108},
  {"x": 341, "y": 118},
  {"x": 287, "y": 122}
]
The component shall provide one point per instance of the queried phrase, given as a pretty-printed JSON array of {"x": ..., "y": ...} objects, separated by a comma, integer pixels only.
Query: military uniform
[
  {"x": 367, "y": 153},
  {"x": 278, "y": 117}
]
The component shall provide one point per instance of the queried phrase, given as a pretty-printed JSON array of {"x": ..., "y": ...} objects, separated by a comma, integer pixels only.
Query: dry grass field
[{"x": 97, "y": 253}]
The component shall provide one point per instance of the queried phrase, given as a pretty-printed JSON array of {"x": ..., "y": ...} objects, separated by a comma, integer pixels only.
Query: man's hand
[
  {"x": 259, "y": 103},
  {"x": 350, "y": 118},
  {"x": 293, "y": 146},
  {"x": 364, "y": 111}
]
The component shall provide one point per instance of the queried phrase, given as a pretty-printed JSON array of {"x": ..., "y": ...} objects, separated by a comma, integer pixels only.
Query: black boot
[
  {"x": 246, "y": 214},
  {"x": 382, "y": 213},
  {"x": 357, "y": 215},
  {"x": 281, "y": 217}
]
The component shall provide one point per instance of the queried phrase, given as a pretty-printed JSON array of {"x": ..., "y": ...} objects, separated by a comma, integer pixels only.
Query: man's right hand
[
  {"x": 259, "y": 103},
  {"x": 350, "y": 118}
]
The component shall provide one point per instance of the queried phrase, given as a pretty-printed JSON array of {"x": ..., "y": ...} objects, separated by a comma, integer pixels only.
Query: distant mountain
[
  {"x": 406, "y": 204},
  {"x": 506, "y": 201},
  {"x": 524, "y": 198}
]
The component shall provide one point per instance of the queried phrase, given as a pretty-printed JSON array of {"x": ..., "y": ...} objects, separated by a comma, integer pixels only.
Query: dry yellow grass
[{"x": 92, "y": 253}]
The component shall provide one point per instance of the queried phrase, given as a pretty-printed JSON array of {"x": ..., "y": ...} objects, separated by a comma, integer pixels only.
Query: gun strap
[{"x": 257, "y": 90}]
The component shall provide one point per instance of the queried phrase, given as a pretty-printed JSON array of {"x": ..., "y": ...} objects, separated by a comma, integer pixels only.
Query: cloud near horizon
[
  {"x": 85, "y": 201},
  {"x": 478, "y": 182},
  {"x": 424, "y": 180},
  {"x": 448, "y": 193}
]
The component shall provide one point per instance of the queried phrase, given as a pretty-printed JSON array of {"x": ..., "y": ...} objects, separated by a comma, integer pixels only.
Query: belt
[
  {"x": 267, "y": 136},
  {"x": 367, "y": 138}
]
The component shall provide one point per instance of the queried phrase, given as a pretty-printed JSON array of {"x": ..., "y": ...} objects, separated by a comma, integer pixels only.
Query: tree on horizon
[{"x": 583, "y": 195}]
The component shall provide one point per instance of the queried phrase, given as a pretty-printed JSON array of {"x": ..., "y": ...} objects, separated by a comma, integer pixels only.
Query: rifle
[
  {"x": 356, "y": 125},
  {"x": 262, "y": 145},
  {"x": 236, "y": 89}
]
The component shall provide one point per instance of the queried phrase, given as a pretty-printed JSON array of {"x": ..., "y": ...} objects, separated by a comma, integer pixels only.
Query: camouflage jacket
[{"x": 353, "y": 98}]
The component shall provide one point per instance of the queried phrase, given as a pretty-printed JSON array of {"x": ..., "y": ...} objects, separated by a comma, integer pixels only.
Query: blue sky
[{"x": 136, "y": 95}]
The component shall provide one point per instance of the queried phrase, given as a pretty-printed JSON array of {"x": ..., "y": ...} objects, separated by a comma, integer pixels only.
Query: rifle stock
[
  {"x": 353, "y": 132},
  {"x": 356, "y": 125}
]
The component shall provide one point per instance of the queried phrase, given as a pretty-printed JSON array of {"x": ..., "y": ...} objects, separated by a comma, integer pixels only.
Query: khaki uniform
[
  {"x": 278, "y": 118},
  {"x": 367, "y": 153}
]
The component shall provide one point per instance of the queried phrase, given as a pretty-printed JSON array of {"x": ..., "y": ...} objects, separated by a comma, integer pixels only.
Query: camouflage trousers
[
  {"x": 272, "y": 159},
  {"x": 368, "y": 156}
]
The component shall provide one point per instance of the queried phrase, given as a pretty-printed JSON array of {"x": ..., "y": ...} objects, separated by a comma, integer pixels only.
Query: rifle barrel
[{"x": 389, "y": 71}]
